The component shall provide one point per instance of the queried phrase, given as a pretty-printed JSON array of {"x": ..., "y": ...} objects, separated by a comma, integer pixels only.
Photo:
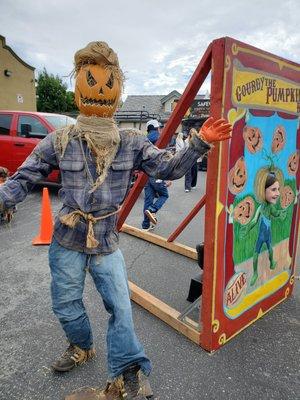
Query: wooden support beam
[
  {"x": 178, "y": 113},
  {"x": 160, "y": 241},
  {"x": 164, "y": 312}
]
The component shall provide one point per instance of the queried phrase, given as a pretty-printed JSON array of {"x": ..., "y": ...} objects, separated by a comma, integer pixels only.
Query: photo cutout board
[{"x": 257, "y": 214}]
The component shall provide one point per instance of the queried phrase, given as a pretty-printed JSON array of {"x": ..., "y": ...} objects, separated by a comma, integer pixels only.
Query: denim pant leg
[
  {"x": 123, "y": 347},
  {"x": 163, "y": 196},
  {"x": 68, "y": 270},
  {"x": 148, "y": 203}
]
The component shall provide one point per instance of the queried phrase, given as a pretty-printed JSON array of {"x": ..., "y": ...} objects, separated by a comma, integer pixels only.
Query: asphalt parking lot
[{"x": 260, "y": 363}]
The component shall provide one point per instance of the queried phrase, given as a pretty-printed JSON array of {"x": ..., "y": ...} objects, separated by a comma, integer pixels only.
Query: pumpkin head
[
  {"x": 237, "y": 176},
  {"x": 293, "y": 163},
  {"x": 253, "y": 138},
  {"x": 278, "y": 141},
  {"x": 99, "y": 80},
  {"x": 244, "y": 210},
  {"x": 97, "y": 91},
  {"x": 287, "y": 196}
]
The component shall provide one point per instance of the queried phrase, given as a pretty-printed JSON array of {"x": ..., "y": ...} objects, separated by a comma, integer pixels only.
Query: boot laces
[{"x": 75, "y": 353}]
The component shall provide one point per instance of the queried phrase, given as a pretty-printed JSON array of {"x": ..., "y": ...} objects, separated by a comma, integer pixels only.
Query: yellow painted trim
[
  {"x": 215, "y": 322},
  {"x": 258, "y": 294},
  {"x": 216, "y": 237},
  {"x": 220, "y": 207}
]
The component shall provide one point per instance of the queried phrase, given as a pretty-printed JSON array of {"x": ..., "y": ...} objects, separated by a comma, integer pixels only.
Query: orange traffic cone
[{"x": 46, "y": 229}]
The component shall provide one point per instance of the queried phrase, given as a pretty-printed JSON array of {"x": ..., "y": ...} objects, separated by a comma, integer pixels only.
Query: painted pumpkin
[
  {"x": 237, "y": 177},
  {"x": 278, "y": 141},
  {"x": 287, "y": 196},
  {"x": 253, "y": 139},
  {"x": 244, "y": 210},
  {"x": 97, "y": 92},
  {"x": 293, "y": 163}
]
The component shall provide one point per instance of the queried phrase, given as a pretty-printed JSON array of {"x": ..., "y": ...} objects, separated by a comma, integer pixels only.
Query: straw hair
[{"x": 99, "y": 53}]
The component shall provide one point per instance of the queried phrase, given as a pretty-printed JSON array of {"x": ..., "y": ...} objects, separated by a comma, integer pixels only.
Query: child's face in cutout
[{"x": 272, "y": 193}]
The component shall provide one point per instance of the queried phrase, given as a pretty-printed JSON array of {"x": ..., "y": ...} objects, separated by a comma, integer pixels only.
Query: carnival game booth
[{"x": 251, "y": 212}]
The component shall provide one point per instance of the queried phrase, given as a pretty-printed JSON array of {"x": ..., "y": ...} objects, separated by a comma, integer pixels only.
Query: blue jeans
[
  {"x": 68, "y": 271},
  {"x": 153, "y": 189}
]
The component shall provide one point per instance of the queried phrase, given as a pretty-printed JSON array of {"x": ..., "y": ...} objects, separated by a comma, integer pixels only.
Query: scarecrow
[{"x": 96, "y": 161}]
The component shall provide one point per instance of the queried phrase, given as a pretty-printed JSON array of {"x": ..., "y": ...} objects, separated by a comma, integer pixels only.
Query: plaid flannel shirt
[{"x": 78, "y": 172}]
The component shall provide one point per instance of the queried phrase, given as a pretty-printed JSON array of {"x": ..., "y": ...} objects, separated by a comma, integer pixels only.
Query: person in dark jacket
[
  {"x": 156, "y": 190},
  {"x": 190, "y": 178}
]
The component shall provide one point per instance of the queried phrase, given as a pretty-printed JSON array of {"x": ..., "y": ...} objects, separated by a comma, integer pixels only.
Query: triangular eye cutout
[
  {"x": 90, "y": 79},
  {"x": 110, "y": 82}
]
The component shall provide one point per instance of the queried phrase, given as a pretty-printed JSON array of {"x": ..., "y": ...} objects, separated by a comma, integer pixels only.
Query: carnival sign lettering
[
  {"x": 235, "y": 289},
  {"x": 253, "y": 88}
]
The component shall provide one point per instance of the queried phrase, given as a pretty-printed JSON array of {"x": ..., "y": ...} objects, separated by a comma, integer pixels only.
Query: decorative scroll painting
[{"x": 261, "y": 98}]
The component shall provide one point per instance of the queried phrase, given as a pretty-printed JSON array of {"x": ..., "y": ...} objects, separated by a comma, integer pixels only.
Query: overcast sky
[{"x": 159, "y": 42}]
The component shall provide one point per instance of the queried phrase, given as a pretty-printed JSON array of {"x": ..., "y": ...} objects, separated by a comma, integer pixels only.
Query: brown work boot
[
  {"x": 136, "y": 383},
  {"x": 132, "y": 385},
  {"x": 73, "y": 356}
]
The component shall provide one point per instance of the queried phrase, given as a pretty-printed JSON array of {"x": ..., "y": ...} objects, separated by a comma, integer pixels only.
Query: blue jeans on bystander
[{"x": 151, "y": 202}]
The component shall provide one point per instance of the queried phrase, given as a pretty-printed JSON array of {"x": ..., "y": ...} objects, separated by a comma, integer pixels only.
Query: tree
[
  {"x": 52, "y": 94},
  {"x": 70, "y": 101}
]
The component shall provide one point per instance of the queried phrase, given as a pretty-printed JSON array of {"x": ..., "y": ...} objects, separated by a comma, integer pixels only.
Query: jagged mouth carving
[{"x": 92, "y": 102}]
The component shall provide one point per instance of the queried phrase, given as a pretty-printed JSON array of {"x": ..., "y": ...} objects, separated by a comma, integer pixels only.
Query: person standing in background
[
  {"x": 190, "y": 178},
  {"x": 156, "y": 190}
]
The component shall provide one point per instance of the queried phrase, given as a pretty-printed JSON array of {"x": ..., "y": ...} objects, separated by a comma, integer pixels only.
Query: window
[
  {"x": 60, "y": 121},
  {"x": 5, "y": 121},
  {"x": 29, "y": 126}
]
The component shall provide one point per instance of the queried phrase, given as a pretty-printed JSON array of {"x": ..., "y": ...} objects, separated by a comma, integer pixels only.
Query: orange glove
[{"x": 215, "y": 130}]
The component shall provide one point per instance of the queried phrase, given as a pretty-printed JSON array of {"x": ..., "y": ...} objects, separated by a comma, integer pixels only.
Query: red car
[{"x": 20, "y": 131}]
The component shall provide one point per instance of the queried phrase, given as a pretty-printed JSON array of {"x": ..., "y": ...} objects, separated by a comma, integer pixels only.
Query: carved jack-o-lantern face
[
  {"x": 278, "y": 141},
  {"x": 253, "y": 139},
  {"x": 293, "y": 163},
  {"x": 287, "y": 196},
  {"x": 97, "y": 92},
  {"x": 244, "y": 210},
  {"x": 237, "y": 176}
]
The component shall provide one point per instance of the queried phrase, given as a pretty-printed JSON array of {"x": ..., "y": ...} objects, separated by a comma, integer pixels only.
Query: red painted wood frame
[
  {"x": 217, "y": 328},
  {"x": 215, "y": 49}
]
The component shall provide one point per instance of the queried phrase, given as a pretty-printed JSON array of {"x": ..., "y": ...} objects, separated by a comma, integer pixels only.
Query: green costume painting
[{"x": 263, "y": 216}]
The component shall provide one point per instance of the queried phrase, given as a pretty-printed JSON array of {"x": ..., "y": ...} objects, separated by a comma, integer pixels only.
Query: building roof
[
  {"x": 4, "y": 45},
  {"x": 137, "y": 107},
  {"x": 144, "y": 103},
  {"x": 173, "y": 94}
]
